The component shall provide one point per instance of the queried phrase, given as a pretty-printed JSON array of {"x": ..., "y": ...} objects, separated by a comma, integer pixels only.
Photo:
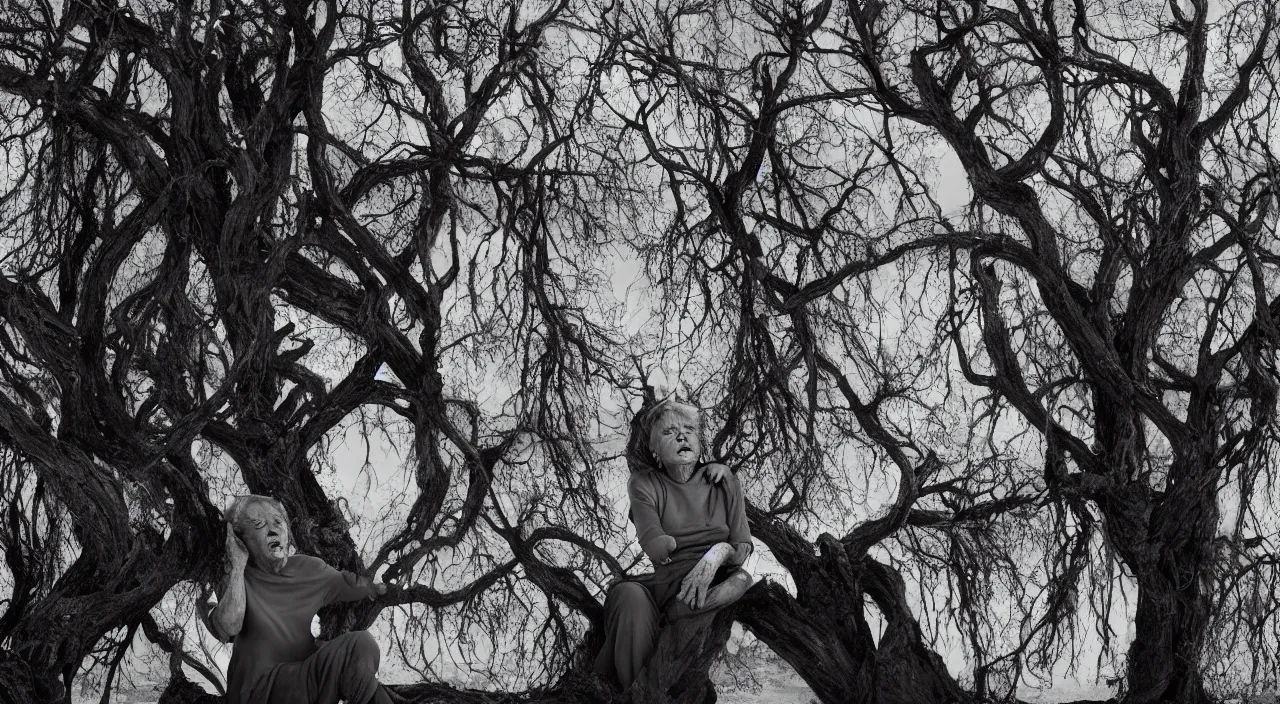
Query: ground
[{"x": 774, "y": 683}]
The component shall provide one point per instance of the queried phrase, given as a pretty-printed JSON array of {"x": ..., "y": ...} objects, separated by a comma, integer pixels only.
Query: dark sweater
[
  {"x": 697, "y": 513},
  {"x": 278, "y": 609}
]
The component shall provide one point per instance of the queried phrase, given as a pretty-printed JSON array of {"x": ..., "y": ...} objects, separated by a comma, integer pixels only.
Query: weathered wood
[
  {"x": 835, "y": 668},
  {"x": 678, "y": 670},
  {"x": 17, "y": 684},
  {"x": 181, "y": 690},
  {"x": 907, "y": 670}
]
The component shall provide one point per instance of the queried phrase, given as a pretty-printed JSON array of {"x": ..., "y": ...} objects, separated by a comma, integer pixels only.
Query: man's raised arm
[{"x": 227, "y": 617}]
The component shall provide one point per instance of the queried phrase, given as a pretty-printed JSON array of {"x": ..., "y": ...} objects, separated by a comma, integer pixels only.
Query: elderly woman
[
  {"x": 265, "y": 606},
  {"x": 692, "y": 523}
]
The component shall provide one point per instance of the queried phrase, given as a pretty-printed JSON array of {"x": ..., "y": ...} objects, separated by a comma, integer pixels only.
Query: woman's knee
[
  {"x": 629, "y": 596},
  {"x": 630, "y": 602}
]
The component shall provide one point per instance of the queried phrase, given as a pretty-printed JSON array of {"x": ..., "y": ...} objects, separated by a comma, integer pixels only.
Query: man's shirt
[{"x": 278, "y": 609}]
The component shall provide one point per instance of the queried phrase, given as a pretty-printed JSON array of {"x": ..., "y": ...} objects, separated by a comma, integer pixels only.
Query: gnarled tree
[
  {"x": 781, "y": 196},
  {"x": 1113, "y": 285},
  {"x": 222, "y": 220}
]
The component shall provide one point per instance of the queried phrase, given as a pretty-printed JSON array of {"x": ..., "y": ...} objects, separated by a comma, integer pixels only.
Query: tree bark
[
  {"x": 1173, "y": 604},
  {"x": 19, "y": 686},
  {"x": 837, "y": 669},
  {"x": 828, "y": 642},
  {"x": 181, "y": 690},
  {"x": 908, "y": 671}
]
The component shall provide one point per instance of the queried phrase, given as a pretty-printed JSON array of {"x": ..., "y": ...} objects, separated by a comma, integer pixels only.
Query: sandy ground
[
  {"x": 779, "y": 683},
  {"x": 775, "y": 683}
]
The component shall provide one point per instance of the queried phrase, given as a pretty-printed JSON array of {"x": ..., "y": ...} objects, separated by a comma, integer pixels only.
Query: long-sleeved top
[
  {"x": 696, "y": 513},
  {"x": 676, "y": 522},
  {"x": 278, "y": 610}
]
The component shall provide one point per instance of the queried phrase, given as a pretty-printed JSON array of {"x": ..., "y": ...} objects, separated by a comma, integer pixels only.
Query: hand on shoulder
[{"x": 716, "y": 473}]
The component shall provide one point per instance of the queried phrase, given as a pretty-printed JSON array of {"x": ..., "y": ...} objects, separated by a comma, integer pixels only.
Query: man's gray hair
[{"x": 240, "y": 504}]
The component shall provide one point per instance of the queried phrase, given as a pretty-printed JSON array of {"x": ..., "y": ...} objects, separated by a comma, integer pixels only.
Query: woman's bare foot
[{"x": 728, "y": 591}]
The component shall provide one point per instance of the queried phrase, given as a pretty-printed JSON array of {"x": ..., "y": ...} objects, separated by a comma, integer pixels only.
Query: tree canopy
[{"x": 979, "y": 297}]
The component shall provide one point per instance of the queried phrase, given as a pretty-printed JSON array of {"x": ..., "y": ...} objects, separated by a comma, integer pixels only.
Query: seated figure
[
  {"x": 266, "y": 604},
  {"x": 691, "y": 521}
]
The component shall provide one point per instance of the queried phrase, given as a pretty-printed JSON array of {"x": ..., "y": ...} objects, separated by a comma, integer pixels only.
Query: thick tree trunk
[
  {"x": 835, "y": 656},
  {"x": 1164, "y": 658},
  {"x": 677, "y": 672},
  {"x": 18, "y": 684},
  {"x": 828, "y": 642},
  {"x": 1173, "y": 603},
  {"x": 908, "y": 671},
  {"x": 54, "y": 633},
  {"x": 181, "y": 690}
]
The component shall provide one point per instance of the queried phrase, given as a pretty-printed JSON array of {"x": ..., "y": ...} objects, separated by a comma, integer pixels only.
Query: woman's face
[
  {"x": 674, "y": 439},
  {"x": 265, "y": 533}
]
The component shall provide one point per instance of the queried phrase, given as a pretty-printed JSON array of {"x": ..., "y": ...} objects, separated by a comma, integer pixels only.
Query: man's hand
[
  {"x": 237, "y": 553},
  {"x": 715, "y": 472},
  {"x": 693, "y": 590}
]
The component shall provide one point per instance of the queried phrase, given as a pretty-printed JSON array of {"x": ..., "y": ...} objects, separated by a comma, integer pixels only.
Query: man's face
[
  {"x": 265, "y": 533},
  {"x": 674, "y": 439}
]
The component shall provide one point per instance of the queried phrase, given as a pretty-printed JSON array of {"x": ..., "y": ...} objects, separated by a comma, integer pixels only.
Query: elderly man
[{"x": 265, "y": 606}]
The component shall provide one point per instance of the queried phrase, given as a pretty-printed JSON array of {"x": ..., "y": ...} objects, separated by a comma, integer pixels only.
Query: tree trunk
[
  {"x": 827, "y": 640},
  {"x": 1164, "y": 657},
  {"x": 181, "y": 690},
  {"x": 677, "y": 671},
  {"x": 835, "y": 657},
  {"x": 1173, "y": 602},
  {"x": 908, "y": 671},
  {"x": 54, "y": 633},
  {"x": 18, "y": 685}
]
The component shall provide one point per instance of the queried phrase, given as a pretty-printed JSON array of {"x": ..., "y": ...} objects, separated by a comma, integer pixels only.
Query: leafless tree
[
  {"x": 221, "y": 220},
  {"x": 1110, "y": 289},
  {"x": 802, "y": 310},
  {"x": 1113, "y": 285}
]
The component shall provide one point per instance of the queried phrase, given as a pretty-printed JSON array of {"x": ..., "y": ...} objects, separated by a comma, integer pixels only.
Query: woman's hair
[{"x": 639, "y": 455}]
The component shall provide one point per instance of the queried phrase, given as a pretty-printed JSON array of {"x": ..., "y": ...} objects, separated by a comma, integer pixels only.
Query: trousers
[
  {"x": 635, "y": 612},
  {"x": 344, "y": 668}
]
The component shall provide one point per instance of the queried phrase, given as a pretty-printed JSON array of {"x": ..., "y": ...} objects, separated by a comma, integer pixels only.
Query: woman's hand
[
  {"x": 715, "y": 472},
  {"x": 237, "y": 553},
  {"x": 696, "y": 584}
]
